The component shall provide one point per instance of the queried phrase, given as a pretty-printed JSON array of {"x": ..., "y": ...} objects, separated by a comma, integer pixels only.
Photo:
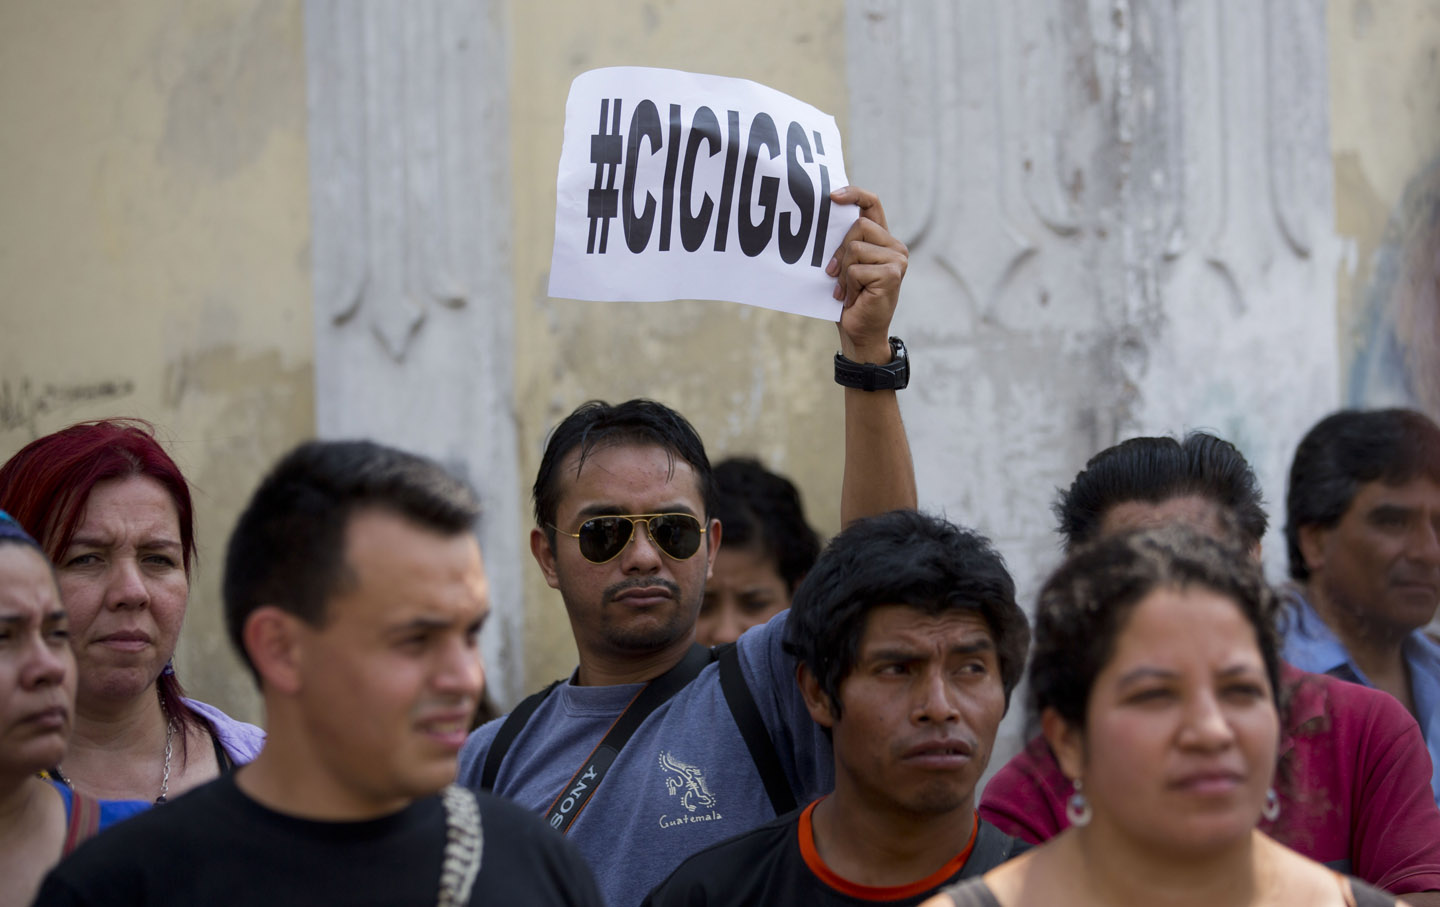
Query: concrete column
[{"x": 410, "y": 202}]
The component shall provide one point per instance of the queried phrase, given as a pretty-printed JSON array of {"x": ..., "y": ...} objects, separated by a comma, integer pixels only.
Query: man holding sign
[{"x": 656, "y": 748}]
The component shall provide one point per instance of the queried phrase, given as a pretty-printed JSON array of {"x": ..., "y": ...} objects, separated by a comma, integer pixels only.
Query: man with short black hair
[
  {"x": 909, "y": 644},
  {"x": 655, "y": 748},
  {"x": 1202, "y": 481},
  {"x": 1363, "y": 534},
  {"x": 1353, "y": 785},
  {"x": 354, "y": 591}
]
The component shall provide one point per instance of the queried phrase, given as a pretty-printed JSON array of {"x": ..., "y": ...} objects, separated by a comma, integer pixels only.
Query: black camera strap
[
  {"x": 573, "y": 797},
  {"x": 737, "y": 695}
]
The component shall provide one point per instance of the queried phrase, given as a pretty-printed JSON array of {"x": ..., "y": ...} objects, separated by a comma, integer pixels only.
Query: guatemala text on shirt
[{"x": 676, "y": 185}]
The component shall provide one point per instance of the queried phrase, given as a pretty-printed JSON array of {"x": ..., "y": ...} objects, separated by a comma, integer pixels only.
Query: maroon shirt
[{"x": 1353, "y": 781}]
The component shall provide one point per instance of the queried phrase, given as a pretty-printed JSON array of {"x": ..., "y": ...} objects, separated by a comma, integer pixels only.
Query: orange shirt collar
[{"x": 871, "y": 892}]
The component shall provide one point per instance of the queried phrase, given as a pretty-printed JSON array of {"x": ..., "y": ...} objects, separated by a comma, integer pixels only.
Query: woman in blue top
[
  {"x": 37, "y": 704},
  {"x": 113, "y": 512},
  {"x": 37, "y": 700}
]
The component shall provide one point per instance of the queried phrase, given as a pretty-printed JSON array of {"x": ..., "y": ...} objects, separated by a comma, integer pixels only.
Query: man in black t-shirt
[
  {"x": 354, "y": 590},
  {"x": 909, "y": 644}
]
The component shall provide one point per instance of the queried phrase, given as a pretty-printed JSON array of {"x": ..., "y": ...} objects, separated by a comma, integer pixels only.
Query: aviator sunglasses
[{"x": 602, "y": 538}]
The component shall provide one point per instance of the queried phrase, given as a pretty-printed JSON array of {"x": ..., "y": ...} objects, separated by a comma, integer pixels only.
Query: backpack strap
[
  {"x": 83, "y": 821},
  {"x": 752, "y": 728},
  {"x": 973, "y": 893},
  {"x": 514, "y": 723},
  {"x": 222, "y": 758},
  {"x": 1359, "y": 894}
]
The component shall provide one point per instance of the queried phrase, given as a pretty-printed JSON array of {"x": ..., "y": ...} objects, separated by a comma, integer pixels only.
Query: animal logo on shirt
[{"x": 681, "y": 776}]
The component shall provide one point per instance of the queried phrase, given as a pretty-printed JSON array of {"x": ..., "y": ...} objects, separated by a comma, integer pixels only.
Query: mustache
[
  {"x": 641, "y": 582},
  {"x": 1416, "y": 575}
]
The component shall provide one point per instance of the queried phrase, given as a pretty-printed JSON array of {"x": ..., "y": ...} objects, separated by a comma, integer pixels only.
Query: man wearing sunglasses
[{"x": 655, "y": 748}]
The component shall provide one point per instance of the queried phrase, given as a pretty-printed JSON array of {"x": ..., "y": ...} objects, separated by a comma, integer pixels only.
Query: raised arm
[{"x": 868, "y": 268}]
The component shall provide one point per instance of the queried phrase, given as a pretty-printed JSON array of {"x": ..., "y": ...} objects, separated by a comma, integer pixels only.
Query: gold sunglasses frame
[{"x": 635, "y": 518}]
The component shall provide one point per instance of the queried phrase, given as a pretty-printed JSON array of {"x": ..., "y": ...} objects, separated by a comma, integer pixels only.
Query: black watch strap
[{"x": 892, "y": 376}]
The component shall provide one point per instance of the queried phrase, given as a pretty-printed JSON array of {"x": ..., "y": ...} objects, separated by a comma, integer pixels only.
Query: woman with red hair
[{"x": 113, "y": 513}]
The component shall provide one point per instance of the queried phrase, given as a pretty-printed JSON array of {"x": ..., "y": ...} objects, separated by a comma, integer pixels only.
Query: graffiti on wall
[
  {"x": 1395, "y": 360},
  {"x": 23, "y": 402}
]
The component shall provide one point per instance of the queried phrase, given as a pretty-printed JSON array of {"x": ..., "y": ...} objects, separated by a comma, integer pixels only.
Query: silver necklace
[
  {"x": 165, "y": 773},
  {"x": 169, "y": 749}
]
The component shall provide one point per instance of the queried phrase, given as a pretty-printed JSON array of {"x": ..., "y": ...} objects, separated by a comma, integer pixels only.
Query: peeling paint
[{"x": 231, "y": 87}]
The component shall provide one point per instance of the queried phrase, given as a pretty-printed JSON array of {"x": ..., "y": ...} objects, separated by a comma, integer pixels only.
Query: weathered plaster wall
[
  {"x": 1385, "y": 137},
  {"x": 1120, "y": 223},
  {"x": 1119, "y": 216},
  {"x": 752, "y": 381},
  {"x": 154, "y": 250}
]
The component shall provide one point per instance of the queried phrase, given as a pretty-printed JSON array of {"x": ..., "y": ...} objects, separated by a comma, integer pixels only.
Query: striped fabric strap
[{"x": 84, "y": 820}]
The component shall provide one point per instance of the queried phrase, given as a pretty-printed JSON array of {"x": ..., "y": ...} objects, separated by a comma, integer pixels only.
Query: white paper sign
[{"x": 675, "y": 185}]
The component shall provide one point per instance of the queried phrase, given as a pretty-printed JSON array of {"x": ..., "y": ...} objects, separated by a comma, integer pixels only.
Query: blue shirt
[
  {"x": 683, "y": 782},
  {"x": 111, "y": 811},
  {"x": 1311, "y": 646},
  {"x": 241, "y": 742}
]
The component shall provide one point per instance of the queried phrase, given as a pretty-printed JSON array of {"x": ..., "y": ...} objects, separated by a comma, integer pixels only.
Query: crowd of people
[{"x": 754, "y": 718}]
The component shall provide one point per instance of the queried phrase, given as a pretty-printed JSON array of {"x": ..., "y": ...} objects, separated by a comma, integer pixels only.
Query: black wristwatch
[{"x": 892, "y": 376}]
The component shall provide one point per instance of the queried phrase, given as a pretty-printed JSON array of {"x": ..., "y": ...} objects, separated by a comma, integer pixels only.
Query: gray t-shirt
[{"x": 683, "y": 782}]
